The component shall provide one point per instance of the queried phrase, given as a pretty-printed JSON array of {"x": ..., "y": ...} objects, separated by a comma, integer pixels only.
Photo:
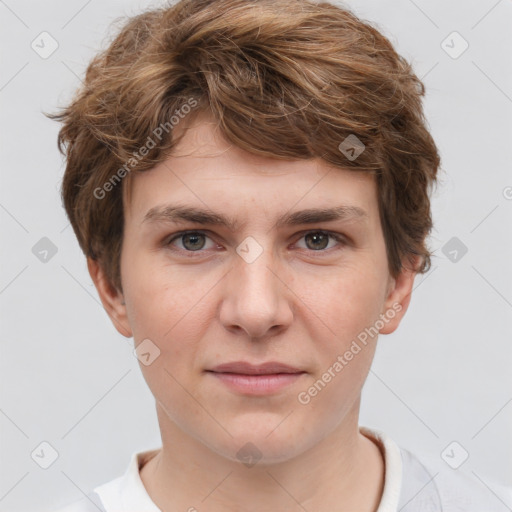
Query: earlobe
[{"x": 112, "y": 300}]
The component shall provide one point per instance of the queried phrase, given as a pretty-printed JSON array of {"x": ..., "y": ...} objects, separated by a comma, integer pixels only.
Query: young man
[{"x": 249, "y": 181}]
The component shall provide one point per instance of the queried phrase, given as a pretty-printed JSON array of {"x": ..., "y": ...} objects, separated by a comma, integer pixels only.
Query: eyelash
[{"x": 339, "y": 238}]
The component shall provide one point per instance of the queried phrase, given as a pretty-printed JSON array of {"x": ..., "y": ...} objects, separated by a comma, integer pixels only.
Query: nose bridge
[
  {"x": 253, "y": 269},
  {"x": 256, "y": 299}
]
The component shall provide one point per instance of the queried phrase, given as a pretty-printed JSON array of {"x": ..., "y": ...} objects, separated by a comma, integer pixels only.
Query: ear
[
  {"x": 398, "y": 297},
  {"x": 111, "y": 298}
]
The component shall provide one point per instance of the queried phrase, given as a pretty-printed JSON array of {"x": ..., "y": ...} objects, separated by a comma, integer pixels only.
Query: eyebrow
[{"x": 177, "y": 214}]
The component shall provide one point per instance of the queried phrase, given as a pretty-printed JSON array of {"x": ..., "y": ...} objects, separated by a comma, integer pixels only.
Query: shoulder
[
  {"x": 110, "y": 496},
  {"x": 463, "y": 492},
  {"x": 429, "y": 488}
]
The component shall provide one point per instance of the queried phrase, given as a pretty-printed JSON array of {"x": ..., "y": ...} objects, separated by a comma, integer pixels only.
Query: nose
[{"x": 256, "y": 299}]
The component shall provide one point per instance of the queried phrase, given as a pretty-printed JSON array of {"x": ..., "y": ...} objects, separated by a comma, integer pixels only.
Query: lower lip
[{"x": 257, "y": 384}]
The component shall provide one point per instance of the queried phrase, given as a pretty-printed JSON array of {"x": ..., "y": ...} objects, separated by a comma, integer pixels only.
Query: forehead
[{"x": 207, "y": 171}]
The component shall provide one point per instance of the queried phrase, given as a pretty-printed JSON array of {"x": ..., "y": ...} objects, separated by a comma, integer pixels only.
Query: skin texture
[{"x": 294, "y": 303}]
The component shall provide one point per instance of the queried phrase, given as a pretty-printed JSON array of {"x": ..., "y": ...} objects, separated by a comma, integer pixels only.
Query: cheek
[
  {"x": 172, "y": 310},
  {"x": 165, "y": 299},
  {"x": 344, "y": 313},
  {"x": 168, "y": 311},
  {"x": 343, "y": 303}
]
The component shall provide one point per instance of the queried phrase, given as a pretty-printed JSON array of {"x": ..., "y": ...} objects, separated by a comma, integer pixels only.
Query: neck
[{"x": 344, "y": 472}]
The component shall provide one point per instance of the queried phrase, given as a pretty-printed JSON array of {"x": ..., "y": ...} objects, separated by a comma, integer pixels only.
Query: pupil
[
  {"x": 194, "y": 238},
  {"x": 316, "y": 236}
]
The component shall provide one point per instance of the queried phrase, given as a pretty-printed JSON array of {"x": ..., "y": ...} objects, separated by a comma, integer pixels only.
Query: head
[{"x": 298, "y": 132}]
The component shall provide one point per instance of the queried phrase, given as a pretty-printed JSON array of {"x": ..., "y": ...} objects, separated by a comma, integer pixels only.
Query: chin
[{"x": 263, "y": 443}]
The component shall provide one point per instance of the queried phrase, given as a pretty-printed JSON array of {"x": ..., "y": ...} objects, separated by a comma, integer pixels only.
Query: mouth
[
  {"x": 262, "y": 379},
  {"x": 246, "y": 368}
]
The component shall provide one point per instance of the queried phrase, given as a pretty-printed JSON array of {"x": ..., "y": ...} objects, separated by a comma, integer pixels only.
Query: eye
[
  {"x": 196, "y": 241},
  {"x": 192, "y": 241},
  {"x": 319, "y": 240}
]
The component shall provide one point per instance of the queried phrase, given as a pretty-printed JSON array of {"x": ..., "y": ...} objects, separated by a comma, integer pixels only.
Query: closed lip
[{"x": 246, "y": 368}]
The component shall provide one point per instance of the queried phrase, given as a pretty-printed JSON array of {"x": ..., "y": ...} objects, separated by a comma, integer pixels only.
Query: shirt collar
[
  {"x": 392, "y": 468},
  {"x": 127, "y": 493}
]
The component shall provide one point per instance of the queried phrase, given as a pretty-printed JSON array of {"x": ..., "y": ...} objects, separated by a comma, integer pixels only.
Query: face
[{"x": 290, "y": 267}]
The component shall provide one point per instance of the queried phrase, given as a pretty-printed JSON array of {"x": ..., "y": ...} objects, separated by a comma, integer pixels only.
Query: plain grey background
[{"x": 70, "y": 380}]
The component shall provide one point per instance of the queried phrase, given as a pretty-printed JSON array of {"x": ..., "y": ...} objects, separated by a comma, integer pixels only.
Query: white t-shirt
[{"x": 409, "y": 486}]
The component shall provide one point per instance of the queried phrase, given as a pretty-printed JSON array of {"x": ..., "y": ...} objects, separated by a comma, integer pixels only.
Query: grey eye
[{"x": 193, "y": 241}]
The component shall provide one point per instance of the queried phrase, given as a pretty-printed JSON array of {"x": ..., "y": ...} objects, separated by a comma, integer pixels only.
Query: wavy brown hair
[{"x": 288, "y": 79}]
